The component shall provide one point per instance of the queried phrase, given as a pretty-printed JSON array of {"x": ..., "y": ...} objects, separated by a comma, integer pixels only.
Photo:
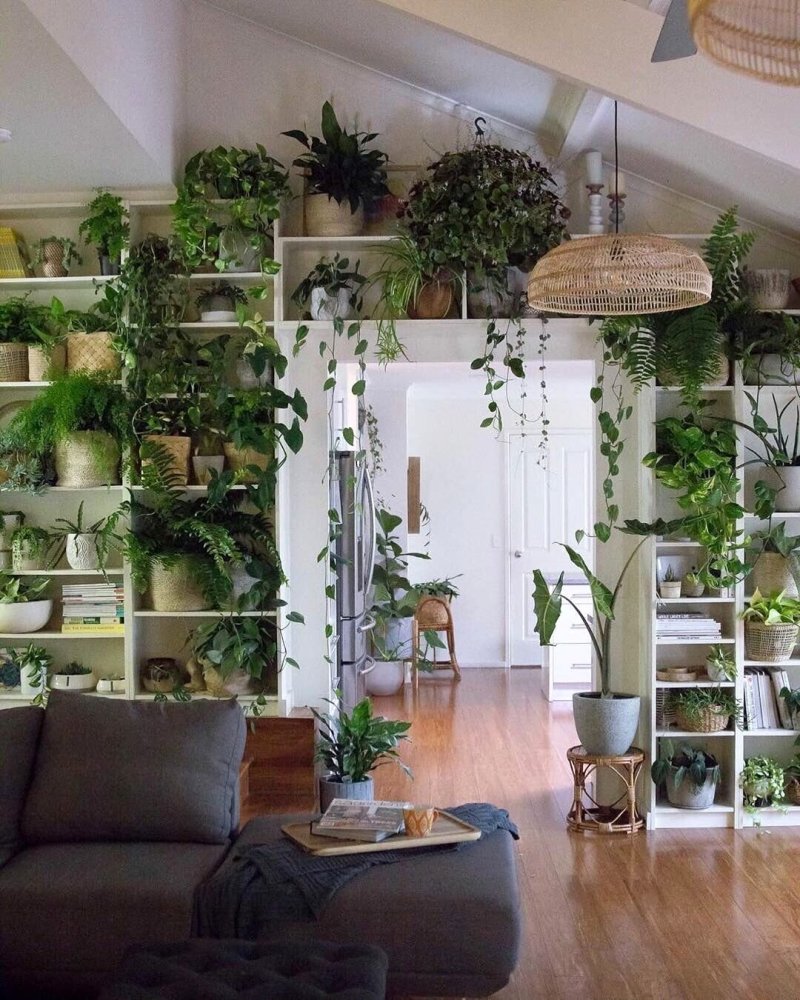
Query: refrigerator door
[
  {"x": 353, "y": 682},
  {"x": 355, "y": 546},
  {"x": 354, "y": 637}
]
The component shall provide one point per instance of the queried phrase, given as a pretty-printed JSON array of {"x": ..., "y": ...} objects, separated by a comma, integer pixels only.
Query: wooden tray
[{"x": 447, "y": 829}]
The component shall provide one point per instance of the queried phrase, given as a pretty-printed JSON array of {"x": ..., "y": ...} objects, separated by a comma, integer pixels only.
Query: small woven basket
[
  {"x": 42, "y": 365},
  {"x": 91, "y": 352},
  {"x": 175, "y": 447},
  {"x": 793, "y": 792},
  {"x": 708, "y": 721},
  {"x": 665, "y": 709},
  {"x": 769, "y": 643},
  {"x": 13, "y": 362},
  {"x": 238, "y": 460},
  {"x": 177, "y": 587}
]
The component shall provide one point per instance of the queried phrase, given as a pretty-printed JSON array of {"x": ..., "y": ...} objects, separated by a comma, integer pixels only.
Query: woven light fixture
[
  {"x": 757, "y": 37},
  {"x": 618, "y": 275}
]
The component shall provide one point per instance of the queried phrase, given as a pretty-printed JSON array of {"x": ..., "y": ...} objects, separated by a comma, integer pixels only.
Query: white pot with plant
[
  {"x": 73, "y": 677},
  {"x": 720, "y": 664},
  {"x": 781, "y": 444},
  {"x": 87, "y": 546},
  {"x": 114, "y": 684},
  {"x": 22, "y": 608},
  {"x": 219, "y": 302},
  {"x": 330, "y": 290},
  {"x": 669, "y": 588},
  {"x": 771, "y": 626},
  {"x": 254, "y": 365},
  {"x": 350, "y": 746},
  {"x": 689, "y": 775},
  {"x": 30, "y": 548},
  {"x": 34, "y": 664},
  {"x": 776, "y": 568}
]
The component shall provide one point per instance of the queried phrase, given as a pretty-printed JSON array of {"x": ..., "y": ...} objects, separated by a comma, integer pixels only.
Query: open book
[{"x": 347, "y": 819}]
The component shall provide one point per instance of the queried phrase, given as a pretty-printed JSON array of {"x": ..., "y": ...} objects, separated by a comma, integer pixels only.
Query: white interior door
[{"x": 546, "y": 506}]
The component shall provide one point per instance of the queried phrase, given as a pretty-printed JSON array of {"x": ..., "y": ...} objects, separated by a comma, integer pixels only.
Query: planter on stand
[{"x": 606, "y": 726}]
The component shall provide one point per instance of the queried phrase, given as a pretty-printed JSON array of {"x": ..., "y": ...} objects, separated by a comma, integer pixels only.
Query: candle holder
[
  {"x": 616, "y": 215},
  {"x": 596, "y": 225}
]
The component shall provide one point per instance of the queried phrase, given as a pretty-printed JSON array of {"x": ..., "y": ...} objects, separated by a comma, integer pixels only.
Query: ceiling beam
[{"x": 606, "y": 45}]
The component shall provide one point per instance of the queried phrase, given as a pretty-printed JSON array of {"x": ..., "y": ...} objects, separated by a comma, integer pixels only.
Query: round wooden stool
[{"x": 586, "y": 813}]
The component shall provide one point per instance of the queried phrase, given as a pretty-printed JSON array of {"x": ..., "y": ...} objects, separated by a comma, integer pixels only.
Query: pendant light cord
[{"x": 616, "y": 173}]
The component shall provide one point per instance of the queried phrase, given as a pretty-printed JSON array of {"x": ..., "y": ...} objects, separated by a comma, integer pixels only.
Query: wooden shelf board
[
  {"x": 771, "y": 732},
  {"x": 44, "y": 634},
  {"x": 712, "y": 641},
  {"x": 204, "y": 614},
  {"x": 116, "y": 571}
]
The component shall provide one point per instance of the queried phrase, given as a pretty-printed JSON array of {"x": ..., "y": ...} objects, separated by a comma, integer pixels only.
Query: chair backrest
[{"x": 433, "y": 613}]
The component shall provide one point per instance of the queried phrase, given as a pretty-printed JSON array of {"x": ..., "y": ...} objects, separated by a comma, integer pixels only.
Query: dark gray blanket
[{"x": 279, "y": 882}]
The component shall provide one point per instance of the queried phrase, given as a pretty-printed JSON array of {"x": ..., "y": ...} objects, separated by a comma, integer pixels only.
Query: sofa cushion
[
  {"x": 135, "y": 770},
  {"x": 68, "y": 912},
  {"x": 19, "y": 736}
]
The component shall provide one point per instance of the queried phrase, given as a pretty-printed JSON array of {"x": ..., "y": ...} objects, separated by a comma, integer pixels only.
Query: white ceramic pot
[
  {"x": 715, "y": 672},
  {"x": 218, "y": 316},
  {"x": 786, "y": 481},
  {"x": 26, "y": 687},
  {"x": 30, "y": 616},
  {"x": 329, "y": 307},
  {"x": 72, "y": 682},
  {"x": 244, "y": 374},
  {"x": 385, "y": 677},
  {"x": 203, "y": 466},
  {"x": 106, "y": 685},
  {"x": 669, "y": 590},
  {"x": 23, "y": 559},
  {"x": 770, "y": 369},
  {"x": 236, "y": 251},
  {"x": 9, "y": 522},
  {"x": 82, "y": 551}
]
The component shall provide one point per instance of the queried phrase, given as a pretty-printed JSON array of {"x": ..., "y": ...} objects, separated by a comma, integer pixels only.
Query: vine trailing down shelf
[
  {"x": 119, "y": 649},
  {"x": 766, "y": 728}
]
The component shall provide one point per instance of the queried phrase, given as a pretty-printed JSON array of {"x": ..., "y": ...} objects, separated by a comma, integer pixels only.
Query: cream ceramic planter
[
  {"x": 82, "y": 551},
  {"x": 772, "y": 573},
  {"x": 786, "y": 480},
  {"x": 325, "y": 306},
  {"x": 669, "y": 590},
  {"x": 73, "y": 682},
  {"x": 385, "y": 677}
]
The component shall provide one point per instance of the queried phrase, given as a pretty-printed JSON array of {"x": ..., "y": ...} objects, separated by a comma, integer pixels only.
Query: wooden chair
[{"x": 433, "y": 615}]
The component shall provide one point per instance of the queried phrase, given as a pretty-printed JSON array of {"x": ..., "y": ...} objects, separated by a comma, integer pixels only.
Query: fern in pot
[
  {"x": 350, "y": 746},
  {"x": 218, "y": 303}
]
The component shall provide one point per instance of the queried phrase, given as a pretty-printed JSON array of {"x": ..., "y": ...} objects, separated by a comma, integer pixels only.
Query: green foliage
[
  {"x": 34, "y": 663},
  {"x": 762, "y": 781},
  {"x": 720, "y": 657},
  {"x": 9, "y": 673},
  {"x": 69, "y": 250},
  {"x": 31, "y": 542},
  {"x": 792, "y": 698},
  {"x": 774, "y": 539},
  {"x": 251, "y": 182},
  {"x": 393, "y": 597},
  {"x": 74, "y": 669},
  {"x": 20, "y": 590},
  {"x": 22, "y": 321},
  {"x": 332, "y": 275},
  {"x": 692, "y": 763},
  {"x": 696, "y": 702},
  {"x": 438, "y": 588},
  {"x": 106, "y": 225},
  {"x": 350, "y": 746},
  {"x": 772, "y": 610},
  {"x": 104, "y": 530},
  {"x": 781, "y": 449},
  {"x": 338, "y": 163},
  {"x": 231, "y": 643}
]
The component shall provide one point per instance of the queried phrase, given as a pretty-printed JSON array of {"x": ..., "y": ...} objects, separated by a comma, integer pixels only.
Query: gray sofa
[{"x": 112, "y": 812}]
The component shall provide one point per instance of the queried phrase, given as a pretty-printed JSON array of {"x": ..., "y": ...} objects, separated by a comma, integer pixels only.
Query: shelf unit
[
  {"x": 731, "y": 746},
  {"x": 148, "y": 633}
]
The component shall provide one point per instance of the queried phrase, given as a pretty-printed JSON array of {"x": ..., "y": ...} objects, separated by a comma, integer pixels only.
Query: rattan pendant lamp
[
  {"x": 757, "y": 37},
  {"x": 619, "y": 274}
]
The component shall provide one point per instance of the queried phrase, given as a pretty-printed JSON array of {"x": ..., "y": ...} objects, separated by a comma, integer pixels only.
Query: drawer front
[{"x": 570, "y": 629}]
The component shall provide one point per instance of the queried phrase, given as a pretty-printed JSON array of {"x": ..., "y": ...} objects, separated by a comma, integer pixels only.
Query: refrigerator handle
[
  {"x": 366, "y": 625},
  {"x": 366, "y": 670},
  {"x": 371, "y": 546}
]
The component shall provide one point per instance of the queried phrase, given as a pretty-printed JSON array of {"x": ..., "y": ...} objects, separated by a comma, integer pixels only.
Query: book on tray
[{"x": 351, "y": 819}]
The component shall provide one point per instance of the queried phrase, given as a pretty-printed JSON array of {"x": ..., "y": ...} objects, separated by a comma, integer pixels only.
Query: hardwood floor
[{"x": 673, "y": 915}]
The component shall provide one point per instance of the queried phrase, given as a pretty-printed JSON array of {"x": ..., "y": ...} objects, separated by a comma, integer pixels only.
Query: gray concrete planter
[
  {"x": 329, "y": 790},
  {"x": 688, "y": 795},
  {"x": 606, "y": 726}
]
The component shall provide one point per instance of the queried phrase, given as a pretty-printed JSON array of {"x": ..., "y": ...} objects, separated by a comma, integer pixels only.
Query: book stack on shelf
[
  {"x": 688, "y": 625},
  {"x": 763, "y": 706},
  {"x": 93, "y": 608},
  {"x": 373, "y": 822}
]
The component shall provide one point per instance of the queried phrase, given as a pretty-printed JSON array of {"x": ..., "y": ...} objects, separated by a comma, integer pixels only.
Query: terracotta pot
[
  {"x": 435, "y": 301},
  {"x": 322, "y": 216}
]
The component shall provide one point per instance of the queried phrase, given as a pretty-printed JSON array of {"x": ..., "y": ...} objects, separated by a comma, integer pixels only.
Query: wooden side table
[{"x": 586, "y": 813}]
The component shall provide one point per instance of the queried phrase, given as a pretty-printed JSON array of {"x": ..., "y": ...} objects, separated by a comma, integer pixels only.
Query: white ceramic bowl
[{"x": 26, "y": 617}]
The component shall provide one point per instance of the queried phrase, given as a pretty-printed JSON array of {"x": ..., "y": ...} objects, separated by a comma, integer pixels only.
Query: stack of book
[
  {"x": 93, "y": 608},
  {"x": 763, "y": 706},
  {"x": 348, "y": 819},
  {"x": 687, "y": 625}
]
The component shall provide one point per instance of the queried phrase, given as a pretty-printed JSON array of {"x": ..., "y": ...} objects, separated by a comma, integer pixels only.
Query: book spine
[
  {"x": 94, "y": 629},
  {"x": 95, "y": 620}
]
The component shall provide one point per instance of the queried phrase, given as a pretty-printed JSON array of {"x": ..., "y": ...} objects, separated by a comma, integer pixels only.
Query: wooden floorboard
[{"x": 662, "y": 915}]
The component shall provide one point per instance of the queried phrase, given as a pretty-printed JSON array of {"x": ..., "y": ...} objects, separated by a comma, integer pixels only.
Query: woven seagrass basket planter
[
  {"x": 177, "y": 587},
  {"x": 87, "y": 458},
  {"x": 175, "y": 448},
  {"x": 238, "y": 460},
  {"x": 13, "y": 362},
  {"x": 710, "y": 720},
  {"x": 769, "y": 643},
  {"x": 92, "y": 352},
  {"x": 43, "y": 364},
  {"x": 793, "y": 792}
]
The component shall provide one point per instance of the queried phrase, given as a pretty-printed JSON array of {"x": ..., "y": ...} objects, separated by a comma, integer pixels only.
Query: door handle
[{"x": 517, "y": 554}]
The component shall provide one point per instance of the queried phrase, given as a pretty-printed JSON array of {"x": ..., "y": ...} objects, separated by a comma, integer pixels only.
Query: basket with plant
[
  {"x": 107, "y": 227},
  {"x": 776, "y": 567},
  {"x": 55, "y": 255},
  {"x": 771, "y": 627},
  {"x": 706, "y": 710},
  {"x": 22, "y": 324}
]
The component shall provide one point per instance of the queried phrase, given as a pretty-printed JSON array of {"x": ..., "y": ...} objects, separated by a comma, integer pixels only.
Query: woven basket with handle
[
  {"x": 769, "y": 643},
  {"x": 710, "y": 720},
  {"x": 13, "y": 362}
]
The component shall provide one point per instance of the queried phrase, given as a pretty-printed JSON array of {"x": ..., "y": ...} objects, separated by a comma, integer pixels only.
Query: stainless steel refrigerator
[{"x": 355, "y": 550}]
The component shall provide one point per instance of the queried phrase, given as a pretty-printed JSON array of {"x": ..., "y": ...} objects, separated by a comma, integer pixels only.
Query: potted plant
[
  {"x": 486, "y": 209},
  {"x": 394, "y": 601},
  {"x": 80, "y": 420},
  {"x": 444, "y": 588},
  {"x": 165, "y": 427},
  {"x": 331, "y": 289},
  {"x": 236, "y": 236},
  {"x": 414, "y": 282},
  {"x": 208, "y": 456},
  {"x": 30, "y": 547},
  {"x": 254, "y": 365},
  {"x": 342, "y": 175},
  {"x": 22, "y": 324},
  {"x": 692, "y": 585},
  {"x": 218, "y": 302},
  {"x": 776, "y": 560},
  {"x": 34, "y": 664},
  {"x": 55, "y": 255},
  {"x": 89, "y": 341},
  {"x": 22, "y": 609},
  {"x": 114, "y": 683},
  {"x": 769, "y": 349},
  {"x": 690, "y": 775},
  {"x": 108, "y": 228},
  {"x": 771, "y": 627},
  {"x": 781, "y": 474},
  {"x": 669, "y": 588},
  {"x": 351, "y": 746},
  {"x": 720, "y": 664},
  {"x": 73, "y": 677},
  {"x": 762, "y": 782},
  {"x": 254, "y": 437},
  {"x": 792, "y": 698},
  {"x": 606, "y": 721},
  {"x": 237, "y": 655},
  {"x": 705, "y": 710},
  {"x": 87, "y": 545}
]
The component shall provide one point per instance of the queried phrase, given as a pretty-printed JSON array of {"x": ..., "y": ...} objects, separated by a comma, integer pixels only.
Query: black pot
[{"x": 107, "y": 265}]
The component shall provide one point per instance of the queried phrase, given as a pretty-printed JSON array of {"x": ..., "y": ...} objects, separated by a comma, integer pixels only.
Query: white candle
[
  {"x": 616, "y": 183},
  {"x": 594, "y": 167}
]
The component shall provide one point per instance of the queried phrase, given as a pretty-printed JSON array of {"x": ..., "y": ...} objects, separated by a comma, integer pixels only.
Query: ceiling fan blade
[{"x": 675, "y": 40}]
